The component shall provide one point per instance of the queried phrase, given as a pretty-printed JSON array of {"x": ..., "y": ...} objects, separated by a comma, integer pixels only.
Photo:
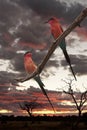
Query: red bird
[
  {"x": 56, "y": 31},
  {"x": 30, "y": 67}
]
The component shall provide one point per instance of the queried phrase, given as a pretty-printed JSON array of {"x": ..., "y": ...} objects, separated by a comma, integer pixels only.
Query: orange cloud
[{"x": 10, "y": 99}]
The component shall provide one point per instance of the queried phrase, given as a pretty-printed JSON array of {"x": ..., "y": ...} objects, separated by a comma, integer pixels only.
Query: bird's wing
[{"x": 61, "y": 28}]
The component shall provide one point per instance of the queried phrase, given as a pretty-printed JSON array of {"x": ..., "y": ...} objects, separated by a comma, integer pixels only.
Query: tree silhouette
[
  {"x": 80, "y": 100},
  {"x": 29, "y": 106}
]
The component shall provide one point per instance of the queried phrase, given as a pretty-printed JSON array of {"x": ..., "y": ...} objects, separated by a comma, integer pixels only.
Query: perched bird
[
  {"x": 30, "y": 67},
  {"x": 56, "y": 31}
]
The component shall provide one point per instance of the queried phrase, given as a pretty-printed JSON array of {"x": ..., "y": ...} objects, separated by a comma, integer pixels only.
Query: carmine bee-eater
[
  {"x": 30, "y": 67},
  {"x": 56, "y": 31}
]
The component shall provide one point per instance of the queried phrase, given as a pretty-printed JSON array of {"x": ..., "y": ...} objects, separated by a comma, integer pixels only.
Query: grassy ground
[{"x": 41, "y": 125}]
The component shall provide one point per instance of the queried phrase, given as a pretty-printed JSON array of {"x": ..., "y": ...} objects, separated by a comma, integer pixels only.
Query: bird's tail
[
  {"x": 38, "y": 80},
  {"x": 69, "y": 62}
]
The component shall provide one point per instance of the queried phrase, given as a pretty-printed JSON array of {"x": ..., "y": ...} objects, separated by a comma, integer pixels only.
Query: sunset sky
[{"x": 22, "y": 29}]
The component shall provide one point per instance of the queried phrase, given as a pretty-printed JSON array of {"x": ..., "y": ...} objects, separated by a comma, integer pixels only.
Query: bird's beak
[{"x": 46, "y": 22}]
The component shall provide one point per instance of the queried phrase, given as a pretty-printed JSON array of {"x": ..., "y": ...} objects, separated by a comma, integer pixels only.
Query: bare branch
[
  {"x": 76, "y": 23},
  {"x": 22, "y": 107},
  {"x": 83, "y": 98},
  {"x": 29, "y": 106}
]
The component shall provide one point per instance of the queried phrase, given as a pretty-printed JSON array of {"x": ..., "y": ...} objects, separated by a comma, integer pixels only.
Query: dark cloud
[
  {"x": 79, "y": 63},
  {"x": 73, "y": 11},
  {"x": 52, "y": 8},
  {"x": 17, "y": 62},
  {"x": 18, "y": 23},
  {"x": 7, "y": 78},
  {"x": 7, "y": 53},
  {"x": 8, "y": 15},
  {"x": 32, "y": 33},
  {"x": 44, "y": 7}
]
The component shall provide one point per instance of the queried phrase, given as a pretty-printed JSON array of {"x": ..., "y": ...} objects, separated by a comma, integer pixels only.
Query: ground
[{"x": 41, "y": 125}]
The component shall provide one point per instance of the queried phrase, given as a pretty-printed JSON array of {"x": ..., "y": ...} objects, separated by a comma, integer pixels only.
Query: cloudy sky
[{"x": 22, "y": 29}]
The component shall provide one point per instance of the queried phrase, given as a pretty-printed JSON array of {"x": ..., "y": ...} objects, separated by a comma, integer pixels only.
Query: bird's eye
[{"x": 51, "y": 19}]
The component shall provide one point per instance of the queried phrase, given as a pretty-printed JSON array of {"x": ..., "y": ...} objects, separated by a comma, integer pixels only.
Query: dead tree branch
[
  {"x": 29, "y": 106},
  {"x": 82, "y": 99},
  {"x": 75, "y": 23}
]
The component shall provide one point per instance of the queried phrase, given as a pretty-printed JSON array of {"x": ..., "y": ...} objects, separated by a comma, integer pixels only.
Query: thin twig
[{"x": 76, "y": 23}]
